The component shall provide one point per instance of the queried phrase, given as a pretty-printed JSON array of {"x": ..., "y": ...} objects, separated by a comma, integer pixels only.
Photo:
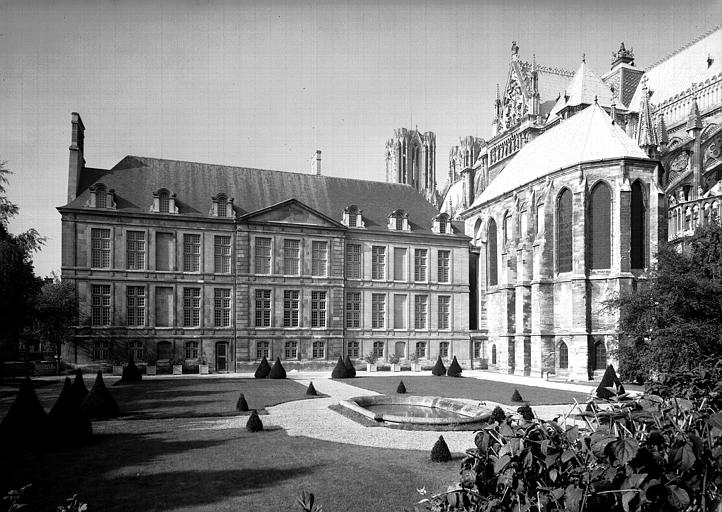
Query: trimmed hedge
[
  {"x": 131, "y": 372},
  {"x": 439, "y": 369},
  {"x": 263, "y": 370},
  {"x": 24, "y": 427},
  {"x": 454, "y": 369},
  {"x": 100, "y": 404},
  {"x": 610, "y": 382},
  {"x": 350, "y": 368},
  {"x": 79, "y": 389},
  {"x": 278, "y": 371},
  {"x": 516, "y": 396},
  {"x": 311, "y": 391},
  {"x": 241, "y": 404},
  {"x": 254, "y": 423},
  {"x": 69, "y": 425},
  {"x": 401, "y": 389},
  {"x": 339, "y": 371},
  {"x": 440, "y": 452}
]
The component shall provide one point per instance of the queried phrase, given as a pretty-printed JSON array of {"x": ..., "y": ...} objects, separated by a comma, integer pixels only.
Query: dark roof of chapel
[{"x": 135, "y": 178}]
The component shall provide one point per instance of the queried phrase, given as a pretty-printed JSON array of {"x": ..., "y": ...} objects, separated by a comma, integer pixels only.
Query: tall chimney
[
  {"x": 77, "y": 161},
  {"x": 318, "y": 162}
]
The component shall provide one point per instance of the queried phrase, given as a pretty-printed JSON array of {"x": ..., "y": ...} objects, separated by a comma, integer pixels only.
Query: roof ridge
[{"x": 684, "y": 47}]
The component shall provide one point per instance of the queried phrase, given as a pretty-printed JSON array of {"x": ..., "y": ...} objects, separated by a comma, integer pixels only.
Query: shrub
[
  {"x": 241, "y": 404},
  {"x": 498, "y": 414},
  {"x": 79, "y": 389},
  {"x": 311, "y": 391},
  {"x": 350, "y": 368},
  {"x": 340, "y": 371},
  {"x": 69, "y": 425},
  {"x": 454, "y": 369},
  {"x": 24, "y": 425},
  {"x": 609, "y": 387},
  {"x": 440, "y": 452},
  {"x": 100, "y": 404},
  {"x": 254, "y": 423},
  {"x": 371, "y": 358},
  {"x": 263, "y": 370},
  {"x": 439, "y": 369},
  {"x": 516, "y": 396},
  {"x": 131, "y": 372},
  {"x": 277, "y": 372},
  {"x": 401, "y": 389},
  {"x": 526, "y": 412}
]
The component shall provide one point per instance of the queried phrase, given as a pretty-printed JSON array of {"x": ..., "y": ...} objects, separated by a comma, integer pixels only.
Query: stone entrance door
[
  {"x": 165, "y": 351},
  {"x": 400, "y": 349},
  {"x": 221, "y": 356}
]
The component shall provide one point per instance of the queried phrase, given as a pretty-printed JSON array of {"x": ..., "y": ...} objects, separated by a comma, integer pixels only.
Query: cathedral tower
[{"x": 411, "y": 160}]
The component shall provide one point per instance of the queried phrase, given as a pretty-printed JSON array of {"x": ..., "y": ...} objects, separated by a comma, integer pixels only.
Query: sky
[{"x": 265, "y": 83}]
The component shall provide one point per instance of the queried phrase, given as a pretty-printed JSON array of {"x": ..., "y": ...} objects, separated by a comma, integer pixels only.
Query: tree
[
  {"x": 675, "y": 321},
  {"x": 56, "y": 308},
  {"x": 18, "y": 284}
]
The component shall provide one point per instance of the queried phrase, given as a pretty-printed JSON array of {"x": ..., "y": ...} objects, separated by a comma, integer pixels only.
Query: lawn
[{"x": 474, "y": 389}]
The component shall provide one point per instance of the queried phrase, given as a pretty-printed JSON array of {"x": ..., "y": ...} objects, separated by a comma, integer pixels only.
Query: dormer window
[
  {"x": 221, "y": 206},
  {"x": 442, "y": 224},
  {"x": 353, "y": 217},
  {"x": 164, "y": 202},
  {"x": 399, "y": 221},
  {"x": 100, "y": 197}
]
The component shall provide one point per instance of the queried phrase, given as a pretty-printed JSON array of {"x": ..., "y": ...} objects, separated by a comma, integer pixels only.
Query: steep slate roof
[
  {"x": 582, "y": 90},
  {"x": 584, "y": 137},
  {"x": 134, "y": 179},
  {"x": 551, "y": 82}
]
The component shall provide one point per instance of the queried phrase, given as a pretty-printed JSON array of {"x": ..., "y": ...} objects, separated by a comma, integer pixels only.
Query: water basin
[
  {"x": 413, "y": 411},
  {"x": 422, "y": 410}
]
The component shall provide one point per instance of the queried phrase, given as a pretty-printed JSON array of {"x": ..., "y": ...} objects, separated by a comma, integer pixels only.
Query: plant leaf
[
  {"x": 678, "y": 497},
  {"x": 715, "y": 420},
  {"x": 573, "y": 496},
  {"x": 625, "y": 449},
  {"x": 684, "y": 456},
  {"x": 572, "y": 434}
]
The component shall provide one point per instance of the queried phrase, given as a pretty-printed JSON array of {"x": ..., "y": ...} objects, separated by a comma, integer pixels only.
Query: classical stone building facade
[{"x": 181, "y": 260}]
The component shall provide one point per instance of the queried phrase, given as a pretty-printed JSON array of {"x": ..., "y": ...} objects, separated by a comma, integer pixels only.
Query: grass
[{"x": 474, "y": 389}]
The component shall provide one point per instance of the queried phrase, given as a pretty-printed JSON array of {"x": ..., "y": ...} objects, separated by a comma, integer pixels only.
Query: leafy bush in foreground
[{"x": 498, "y": 414}]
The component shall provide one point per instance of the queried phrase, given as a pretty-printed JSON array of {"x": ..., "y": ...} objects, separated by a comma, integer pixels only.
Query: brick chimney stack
[
  {"x": 318, "y": 162},
  {"x": 77, "y": 160}
]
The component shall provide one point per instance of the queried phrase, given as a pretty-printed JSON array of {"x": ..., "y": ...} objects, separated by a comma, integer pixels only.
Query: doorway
[{"x": 221, "y": 356}]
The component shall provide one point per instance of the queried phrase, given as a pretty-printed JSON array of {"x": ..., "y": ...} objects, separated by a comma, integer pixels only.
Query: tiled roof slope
[
  {"x": 134, "y": 179},
  {"x": 584, "y": 88},
  {"x": 552, "y": 83},
  {"x": 584, "y": 137}
]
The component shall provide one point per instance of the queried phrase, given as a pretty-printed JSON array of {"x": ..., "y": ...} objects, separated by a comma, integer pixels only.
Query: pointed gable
[{"x": 584, "y": 88}]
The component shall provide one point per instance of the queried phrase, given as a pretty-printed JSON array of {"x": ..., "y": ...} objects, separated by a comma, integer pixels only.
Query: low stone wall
[{"x": 471, "y": 410}]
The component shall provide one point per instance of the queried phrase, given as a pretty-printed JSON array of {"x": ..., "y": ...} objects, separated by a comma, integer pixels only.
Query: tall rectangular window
[
  {"x": 222, "y": 254},
  {"x": 420, "y": 311},
  {"x": 101, "y": 350},
  {"x": 318, "y": 309},
  {"x": 222, "y": 307},
  {"x": 400, "y": 257},
  {"x": 319, "y": 258},
  {"x": 353, "y": 310},
  {"x": 136, "y": 305},
  {"x": 353, "y": 261},
  {"x": 378, "y": 262},
  {"x": 164, "y": 254},
  {"x": 399, "y": 311},
  {"x": 135, "y": 250},
  {"x": 444, "y": 349},
  {"x": 290, "y": 350},
  {"x": 263, "y": 308},
  {"x": 191, "y": 350},
  {"x": 420, "y": 264},
  {"x": 163, "y": 306},
  {"x": 262, "y": 253},
  {"x": 191, "y": 253},
  {"x": 263, "y": 349},
  {"x": 291, "y": 306},
  {"x": 444, "y": 311},
  {"x": 318, "y": 350},
  {"x": 378, "y": 311},
  {"x": 100, "y": 248},
  {"x": 100, "y": 300},
  {"x": 421, "y": 349},
  {"x": 291, "y": 257},
  {"x": 191, "y": 307},
  {"x": 353, "y": 349},
  {"x": 443, "y": 266},
  {"x": 135, "y": 350}
]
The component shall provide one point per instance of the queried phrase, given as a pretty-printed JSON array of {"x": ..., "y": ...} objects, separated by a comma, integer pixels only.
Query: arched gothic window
[
  {"x": 491, "y": 255},
  {"x": 600, "y": 226},
  {"x": 599, "y": 355},
  {"x": 563, "y": 356},
  {"x": 638, "y": 228},
  {"x": 564, "y": 231},
  {"x": 477, "y": 232},
  {"x": 507, "y": 227}
]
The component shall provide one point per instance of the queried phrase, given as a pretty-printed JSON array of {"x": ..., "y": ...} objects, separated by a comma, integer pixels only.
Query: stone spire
[
  {"x": 694, "y": 121},
  {"x": 646, "y": 137},
  {"x": 622, "y": 56},
  {"x": 662, "y": 135}
]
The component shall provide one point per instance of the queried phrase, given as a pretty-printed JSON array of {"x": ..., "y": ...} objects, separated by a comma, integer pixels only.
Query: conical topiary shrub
[
  {"x": 311, "y": 391},
  {"x": 610, "y": 387},
  {"x": 25, "y": 424},
  {"x": 69, "y": 425},
  {"x": 254, "y": 423},
  {"x": 131, "y": 372},
  {"x": 339, "y": 371},
  {"x": 277, "y": 372},
  {"x": 263, "y": 370},
  {"x": 498, "y": 414},
  {"x": 241, "y": 404},
  {"x": 440, "y": 452},
  {"x": 401, "y": 389},
  {"x": 350, "y": 368},
  {"x": 526, "y": 412},
  {"x": 454, "y": 369},
  {"x": 100, "y": 404},
  {"x": 516, "y": 396},
  {"x": 439, "y": 369},
  {"x": 80, "y": 391}
]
